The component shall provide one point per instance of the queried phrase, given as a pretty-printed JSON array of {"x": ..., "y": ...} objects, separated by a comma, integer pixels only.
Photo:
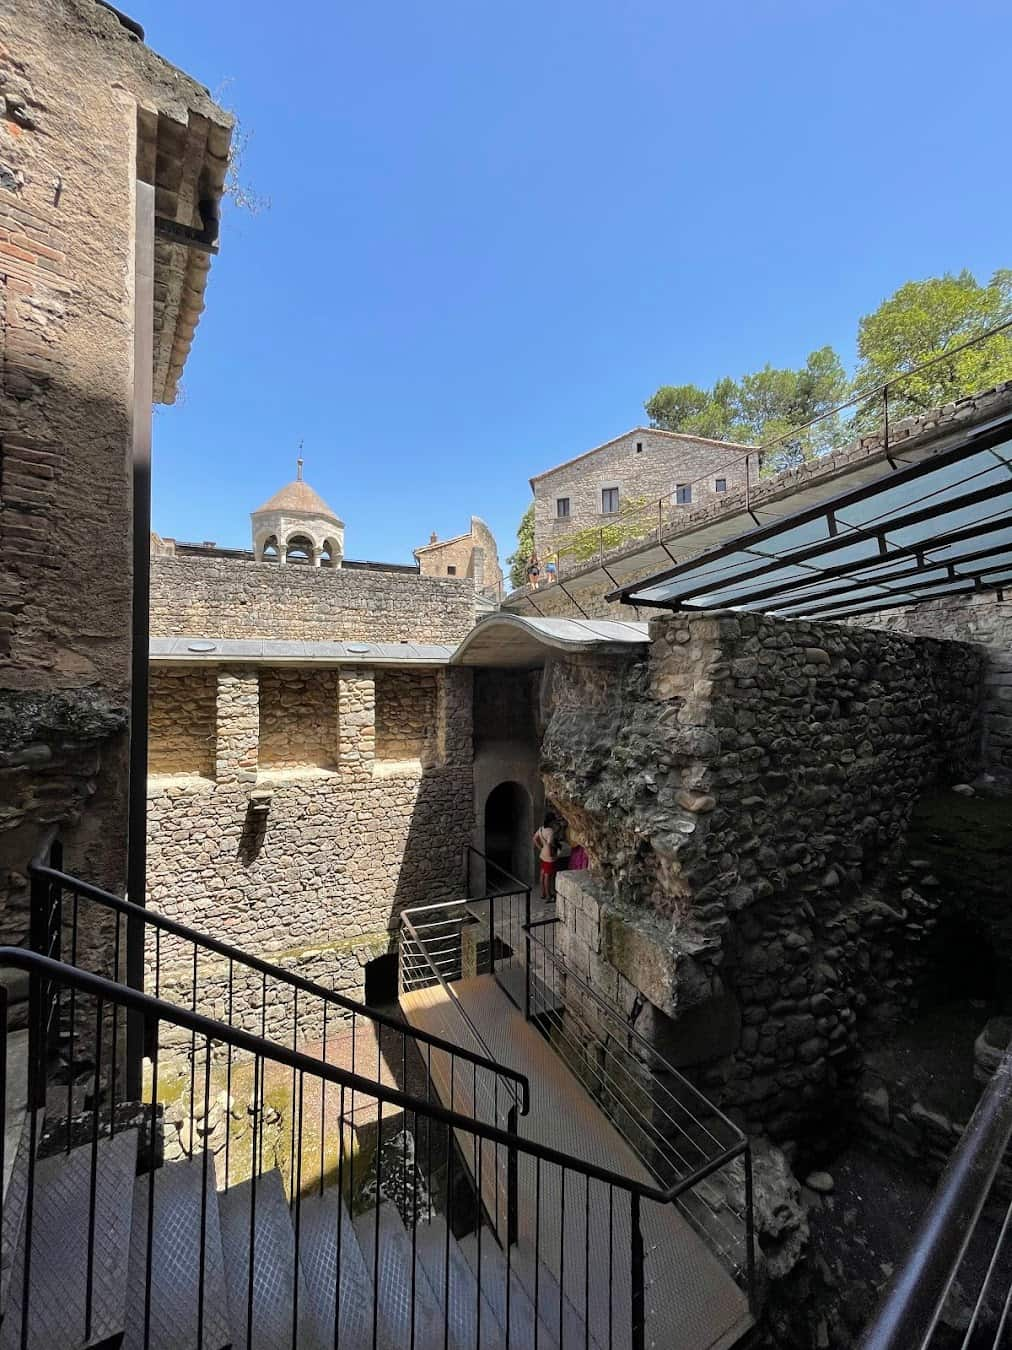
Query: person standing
[{"x": 545, "y": 841}]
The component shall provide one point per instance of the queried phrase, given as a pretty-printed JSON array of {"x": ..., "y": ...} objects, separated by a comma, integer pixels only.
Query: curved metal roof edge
[{"x": 559, "y": 634}]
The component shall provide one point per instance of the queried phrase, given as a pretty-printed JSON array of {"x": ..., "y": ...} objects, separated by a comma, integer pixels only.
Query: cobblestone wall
[
  {"x": 233, "y": 598},
  {"x": 405, "y": 715},
  {"x": 743, "y": 792},
  {"x": 298, "y": 719},
  {"x": 982, "y": 619},
  {"x": 316, "y": 881},
  {"x": 181, "y": 721}
]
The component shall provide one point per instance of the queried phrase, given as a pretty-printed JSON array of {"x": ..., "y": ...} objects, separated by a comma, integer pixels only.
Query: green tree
[
  {"x": 925, "y": 319},
  {"x": 766, "y": 405},
  {"x": 517, "y": 562}
]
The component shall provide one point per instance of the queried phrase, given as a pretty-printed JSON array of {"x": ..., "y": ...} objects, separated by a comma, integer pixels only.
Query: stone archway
[{"x": 508, "y": 827}]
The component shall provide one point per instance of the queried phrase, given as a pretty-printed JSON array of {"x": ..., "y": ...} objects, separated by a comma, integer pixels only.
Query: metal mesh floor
[{"x": 692, "y": 1301}]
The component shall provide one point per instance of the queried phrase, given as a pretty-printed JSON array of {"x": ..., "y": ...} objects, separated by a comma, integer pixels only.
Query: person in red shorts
[{"x": 546, "y": 842}]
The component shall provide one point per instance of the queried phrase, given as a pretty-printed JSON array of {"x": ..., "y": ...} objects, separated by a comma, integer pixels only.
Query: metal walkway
[{"x": 692, "y": 1301}]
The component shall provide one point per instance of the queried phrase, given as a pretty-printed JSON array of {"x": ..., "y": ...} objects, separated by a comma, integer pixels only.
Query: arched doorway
[{"x": 508, "y": 830}]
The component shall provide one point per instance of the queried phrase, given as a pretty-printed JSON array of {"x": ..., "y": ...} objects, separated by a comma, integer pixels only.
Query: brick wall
[
  {"x": 232, "y": 598},
  {"x": 649, "y": 472}
]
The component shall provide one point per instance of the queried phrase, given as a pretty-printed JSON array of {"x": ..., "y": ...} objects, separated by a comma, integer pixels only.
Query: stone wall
[
  {"x": 743, "y": 793},
  {"x": 317, "y": 881},
  {"x": 405, "y": 715},
  {"x": 181, "y": 722},
  {"x": 298, "y": 719},
  {"x": 983, "y": 619},
  {"x": 645, "y": 464},
  {"x": 232, "y": 598}
]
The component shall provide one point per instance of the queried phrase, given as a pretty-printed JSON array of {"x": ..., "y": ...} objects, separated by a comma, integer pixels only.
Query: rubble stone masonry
[
  {"x": 743, "y": 793},
  {"x": 233, "y": 598},
  {"x": 316, "y": 881}
]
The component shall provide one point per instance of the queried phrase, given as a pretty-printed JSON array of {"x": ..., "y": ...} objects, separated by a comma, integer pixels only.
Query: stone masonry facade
[
  {"x": 233, "y": 598},
  {"x": 85, "y": 111},
  {"x": 744, "y": 792},
  {"x": 314, "y": 882},
  {"x": 644, "y": 465}
]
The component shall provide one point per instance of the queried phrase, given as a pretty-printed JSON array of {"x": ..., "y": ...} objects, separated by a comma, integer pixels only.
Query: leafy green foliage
[
  {"x": 925, "y": 319},
  {"x": 766, "y": 405},
  {"x": 632, "y": 523},
  {"x": 517, "y": 561}
]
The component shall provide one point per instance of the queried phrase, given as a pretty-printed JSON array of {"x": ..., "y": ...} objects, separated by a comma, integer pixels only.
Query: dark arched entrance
[{"x": 508, "y": 830}]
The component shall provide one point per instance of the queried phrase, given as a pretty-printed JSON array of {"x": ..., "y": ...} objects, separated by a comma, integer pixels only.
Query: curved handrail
[
  {"x": 109, "y": 991},
  {"x": 157, "y": 920}
]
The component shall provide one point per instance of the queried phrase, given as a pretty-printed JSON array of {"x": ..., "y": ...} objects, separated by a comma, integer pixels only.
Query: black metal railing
[
  {"x": 75, "y": 921},
  {"x": 592, "y": 1262},
  {"x": 964, "y": 1238},
  {"x": 699, "y": 1160}
]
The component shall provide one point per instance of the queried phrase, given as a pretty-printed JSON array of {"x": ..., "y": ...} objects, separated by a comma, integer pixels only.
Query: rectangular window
[
  {"x": 562, "y": 508},
  {"x": 451, "y": 571},
  {"x": 609, "y": 501},
  {"x": 683, "y": 494},
  {"x": 720, "y": 485}
]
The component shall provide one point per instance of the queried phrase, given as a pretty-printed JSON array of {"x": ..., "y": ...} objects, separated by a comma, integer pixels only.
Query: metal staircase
[{"x": 297, "y": 1218}]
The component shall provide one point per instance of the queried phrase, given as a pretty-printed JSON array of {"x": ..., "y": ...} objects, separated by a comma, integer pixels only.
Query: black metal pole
[{"x": 144, "y": 243}]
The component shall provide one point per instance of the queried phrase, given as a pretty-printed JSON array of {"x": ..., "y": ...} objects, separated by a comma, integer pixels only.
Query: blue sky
[{"x": 495, "y": 229}]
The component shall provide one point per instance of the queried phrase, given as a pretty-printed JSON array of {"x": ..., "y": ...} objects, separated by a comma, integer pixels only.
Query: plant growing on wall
[
  {"x": 518, "y": 560},
  {"x": 637, "y": 518}
]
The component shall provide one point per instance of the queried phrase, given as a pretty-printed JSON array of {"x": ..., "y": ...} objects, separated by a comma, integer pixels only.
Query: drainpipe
[{"x": 144, "y": 250}]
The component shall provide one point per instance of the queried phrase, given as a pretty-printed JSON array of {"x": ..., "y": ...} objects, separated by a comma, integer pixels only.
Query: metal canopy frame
[{"x": 818, "y": 562}]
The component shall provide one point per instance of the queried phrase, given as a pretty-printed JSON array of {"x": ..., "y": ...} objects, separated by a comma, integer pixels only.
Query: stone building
[
  {"x": 112, "y": 165},
  {"x": 474, "y": 555},
  {"x": 629, "y": 473},
  {"x": 311, "y": 754}
]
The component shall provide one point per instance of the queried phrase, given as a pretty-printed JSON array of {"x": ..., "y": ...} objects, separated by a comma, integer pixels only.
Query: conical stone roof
[{"x": 298, "y": 496}]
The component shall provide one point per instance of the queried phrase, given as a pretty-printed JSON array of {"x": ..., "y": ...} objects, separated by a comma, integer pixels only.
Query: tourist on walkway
[
  {"x": 545, "y": 843},
  {"x": 533, "y": 572}
]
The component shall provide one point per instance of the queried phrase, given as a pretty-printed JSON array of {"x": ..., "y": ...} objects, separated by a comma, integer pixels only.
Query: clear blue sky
[{"x": 497, "y": 227}]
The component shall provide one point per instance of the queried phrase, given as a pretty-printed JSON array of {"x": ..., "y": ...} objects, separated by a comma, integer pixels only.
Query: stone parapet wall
[
  {"x": 319, "y": 877},
  {"x": 743, "y": 792},
  {"x": 233, "y": 598}
]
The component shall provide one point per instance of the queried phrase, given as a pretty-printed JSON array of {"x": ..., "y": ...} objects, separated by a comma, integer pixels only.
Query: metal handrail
[
  {"x": 469, "y": 849},
  {"x": 590, "y": 992},
  {"x": 156, "y": 1009},
  {"x": 521, "y": 1079},
  {"x": 910, "y": 1312},
  {"x": 154, "y": 919}
]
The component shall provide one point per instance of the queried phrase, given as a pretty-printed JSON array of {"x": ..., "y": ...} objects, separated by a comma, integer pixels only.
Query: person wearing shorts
[{"x": 545, "y": 843}]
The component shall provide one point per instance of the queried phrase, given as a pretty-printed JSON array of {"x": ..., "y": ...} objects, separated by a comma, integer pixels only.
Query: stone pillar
[
  {"x": 282, "y": 554},
  {"x": 357, "y": 722},
  {"x": 317, "y": 555},
  {"x": 238, "y": 725},
  {"x": 454, "y": 716}
]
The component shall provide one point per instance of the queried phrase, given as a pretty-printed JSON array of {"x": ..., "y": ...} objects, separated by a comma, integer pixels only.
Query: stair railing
[
  {"x": 228, "y": 984},
  {"x": 603, "y": 1279}
]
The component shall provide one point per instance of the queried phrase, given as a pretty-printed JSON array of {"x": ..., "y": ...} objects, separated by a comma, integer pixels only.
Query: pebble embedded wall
[
  {"x": 982, "y": 619},
  {"x": 181, "y": 722},
  {"x": 234, "y": 598},
  {"x": 743, "y": 792},
  {"x": 317, "y": 881},
  {"x": 298, "y": 719},
  {"x": 405, "y": 715}
]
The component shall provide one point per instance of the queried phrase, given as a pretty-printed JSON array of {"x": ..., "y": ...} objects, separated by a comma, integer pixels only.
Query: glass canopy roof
[{"x": 938, "y": 527}]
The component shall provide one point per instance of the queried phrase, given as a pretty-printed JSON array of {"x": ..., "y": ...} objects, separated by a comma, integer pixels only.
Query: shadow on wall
[{"x": 509, "y": 826}]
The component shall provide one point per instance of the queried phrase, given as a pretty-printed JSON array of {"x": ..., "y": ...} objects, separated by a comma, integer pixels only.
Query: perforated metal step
[
  {"x": 269, "y": 1262},
  {"x": 59, "y": 1249},
  {"x": 471, "y": 1320},
  {"x": 323, "y": 1222},
  {"x": 393, "y": 1273},
  {"x": 176, "y": 1219},
  {"x": 492, "y": 1270}
]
